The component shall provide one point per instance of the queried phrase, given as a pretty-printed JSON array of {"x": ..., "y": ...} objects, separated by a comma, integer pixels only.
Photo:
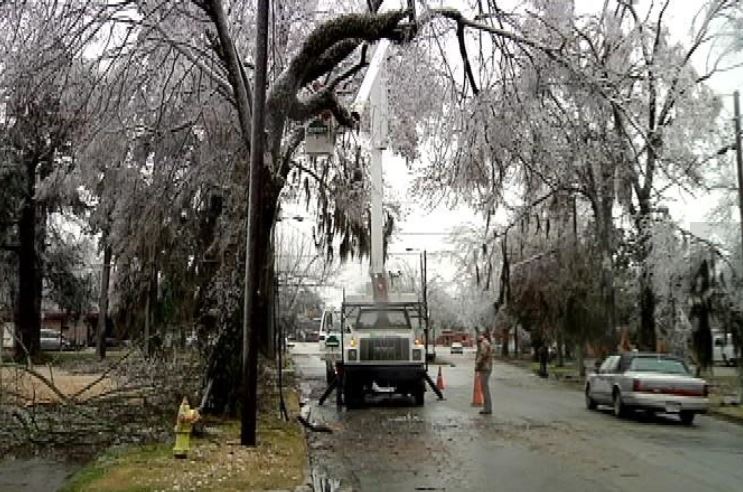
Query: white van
[{"x": 723, "y": 350}]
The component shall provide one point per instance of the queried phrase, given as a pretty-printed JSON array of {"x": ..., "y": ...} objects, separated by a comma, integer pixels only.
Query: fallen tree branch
[
  {"x": 62, "y": 397},
  {"x": 102, "y": 376}
]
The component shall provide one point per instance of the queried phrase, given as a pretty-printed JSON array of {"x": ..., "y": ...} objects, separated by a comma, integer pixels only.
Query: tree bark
[
  {"x": 506, "y": 340},
  {"x": 147, "y": 327},
  {"x": 28, "y": 300},
  {"x": 580, "y": 359},
  {"x": 606, "y": 244},
  {"x": 646, "y": 337},
  {"x": 103, "y": 302}
]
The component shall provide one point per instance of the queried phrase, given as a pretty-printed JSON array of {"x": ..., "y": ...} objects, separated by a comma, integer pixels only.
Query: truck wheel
[
  {"x": 352, "y": 396},
  {"x": 419, "y": 395},
  {"x": 353, "y": 399}
]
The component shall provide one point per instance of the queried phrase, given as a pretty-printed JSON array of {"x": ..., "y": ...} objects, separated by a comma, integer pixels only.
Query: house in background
[
  {"x": 447, "y": 337},
  {"x": 79, "y": 330}
]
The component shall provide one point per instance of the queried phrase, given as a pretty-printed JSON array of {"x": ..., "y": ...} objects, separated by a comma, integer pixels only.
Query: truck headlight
[
  {"x": 417, "y": 354},
  {"x": 352, "y": 354}
]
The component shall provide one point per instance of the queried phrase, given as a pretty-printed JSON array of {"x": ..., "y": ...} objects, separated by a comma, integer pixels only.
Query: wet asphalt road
[{"x": 540, "y": 437}]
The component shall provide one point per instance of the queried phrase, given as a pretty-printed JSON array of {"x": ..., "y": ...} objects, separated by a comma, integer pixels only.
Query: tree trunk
[
  {"x": 147, "y": 320},
  {"x": 606, "y": 244},
  {"x": 103, "y": 302},
  {"x": 28, "y": 300},
  {"x": 580, "y": 359},
  {"x": 268, "y": 335},
  {"x": 646, "y": 336},
  {"x": 150, "y": 340},
  {"x": 225, "y": 362},
  {"x": 560, "y": 349},
  {"x": 506, "y": 340}
]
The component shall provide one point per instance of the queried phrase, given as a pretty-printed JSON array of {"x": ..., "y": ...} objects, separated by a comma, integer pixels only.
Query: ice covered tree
[
  {"x": 606, "y": 104},
  {"x": 44, "y": 86}
]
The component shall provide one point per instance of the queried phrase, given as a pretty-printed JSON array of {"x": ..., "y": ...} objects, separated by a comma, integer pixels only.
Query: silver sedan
[{"x": 652, "y": 382}]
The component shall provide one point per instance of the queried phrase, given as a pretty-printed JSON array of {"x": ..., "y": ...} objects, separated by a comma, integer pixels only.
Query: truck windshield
[{"x": 382, "y": 319}]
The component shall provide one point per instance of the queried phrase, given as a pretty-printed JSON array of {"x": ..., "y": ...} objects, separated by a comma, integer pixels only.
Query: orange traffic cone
[
  {"x": 477, "y": 398},
  {"x": 440, "y": 380}
]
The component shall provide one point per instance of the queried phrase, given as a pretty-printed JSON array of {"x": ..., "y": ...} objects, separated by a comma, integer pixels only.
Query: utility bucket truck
[
  {"x": 384, "y": 347},
  {"x": 384, "y": 334}
]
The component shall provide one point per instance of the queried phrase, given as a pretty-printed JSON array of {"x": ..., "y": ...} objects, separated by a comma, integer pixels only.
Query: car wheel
[
  {"x": 619, "y": 409},
  {"x": 590, "y": 402},
  {"x": 687, "y": 418},
  {"x": 350, "y": 393}
]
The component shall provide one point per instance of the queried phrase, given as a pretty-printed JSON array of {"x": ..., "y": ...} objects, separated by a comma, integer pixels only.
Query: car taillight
[{"x": 636, "y": 385}]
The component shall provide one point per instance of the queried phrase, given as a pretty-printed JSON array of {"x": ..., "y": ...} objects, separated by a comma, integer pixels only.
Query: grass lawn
[
  {"x": 216, "y": 462},
  {"x": 730, "y": 412}
]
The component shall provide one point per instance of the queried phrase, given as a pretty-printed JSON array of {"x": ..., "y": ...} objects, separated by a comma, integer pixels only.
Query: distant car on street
[
  {"x": 53, "y": 340},
  {"x": 659, "y": 383},
  {"x": 456, "y": 348}
]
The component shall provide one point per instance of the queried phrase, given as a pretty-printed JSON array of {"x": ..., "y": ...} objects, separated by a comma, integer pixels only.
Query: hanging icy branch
[
  {"x": 329, "y": 42},
  {"x": 326, "y": 47}
]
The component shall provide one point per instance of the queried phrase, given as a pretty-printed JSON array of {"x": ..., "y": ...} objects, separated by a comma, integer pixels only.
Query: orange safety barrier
[{"x": 440, "y": 380}]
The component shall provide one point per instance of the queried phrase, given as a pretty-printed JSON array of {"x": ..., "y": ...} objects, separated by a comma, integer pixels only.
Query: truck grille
[{"x": 387, "y": 348}]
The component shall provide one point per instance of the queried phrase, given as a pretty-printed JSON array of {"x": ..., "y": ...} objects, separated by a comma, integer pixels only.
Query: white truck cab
[{"x": 383, "y": 347}]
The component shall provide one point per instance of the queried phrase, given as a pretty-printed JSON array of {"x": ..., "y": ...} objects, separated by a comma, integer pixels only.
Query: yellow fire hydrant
[{"x": 183, "y": 426}]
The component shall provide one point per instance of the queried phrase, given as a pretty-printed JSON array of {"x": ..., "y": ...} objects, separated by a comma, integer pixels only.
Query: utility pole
[
  {"x": 103, "y": 298},
  {"x": 249, "y": 417},
  {"x": 739, "y": 161}
]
